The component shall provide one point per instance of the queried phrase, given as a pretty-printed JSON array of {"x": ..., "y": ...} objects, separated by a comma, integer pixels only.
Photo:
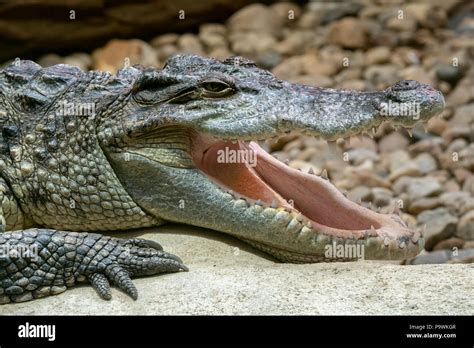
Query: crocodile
[{"x": 86, "y": 153}]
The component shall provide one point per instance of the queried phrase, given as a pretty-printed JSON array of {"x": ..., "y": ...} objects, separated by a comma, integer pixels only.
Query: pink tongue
[
  {"x": 314, "y": 197},
  {"x": 225, "y": 162}
]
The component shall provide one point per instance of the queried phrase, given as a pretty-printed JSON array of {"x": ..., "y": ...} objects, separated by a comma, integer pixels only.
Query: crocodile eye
[{"x": 216, "y": 88}]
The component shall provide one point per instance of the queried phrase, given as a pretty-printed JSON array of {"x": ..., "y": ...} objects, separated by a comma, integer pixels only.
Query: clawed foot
[
  {"x": 56, "y": 260},
  {"x": 135, "y": 257}
]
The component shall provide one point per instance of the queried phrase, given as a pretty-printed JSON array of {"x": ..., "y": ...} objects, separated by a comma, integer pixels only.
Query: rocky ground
[
  {"x": 362, "y": 45},
  {"x": 227, "y": 277}
]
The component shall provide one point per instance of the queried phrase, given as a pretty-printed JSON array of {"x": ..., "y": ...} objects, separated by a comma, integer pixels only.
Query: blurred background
[{"x": 361, "y": 45}]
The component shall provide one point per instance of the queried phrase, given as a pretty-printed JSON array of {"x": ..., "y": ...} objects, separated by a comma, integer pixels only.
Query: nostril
[{"x": 405, "y": 85}]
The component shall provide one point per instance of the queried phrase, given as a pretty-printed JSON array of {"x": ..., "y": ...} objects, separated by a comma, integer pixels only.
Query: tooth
[
  {"x": 258, "y": 202},
  {"x": 374, "y": 130},
  {"x": 386, "y": 241},
  {"x": 299, "y": 217},
  {"x": 402, "y": 245},
  {"x": 410, "y": 132},
  {"x": 274, "y": 204},
  {"x": 416, "y": 236},
  {"x": 345, "y": 194},
  {"x": 324, "y": 174},
  {"x": 286, "y": 161},
  {"x": 311, "y": 171},
  {"x": 234, "y": 141},
  {"x": 372, "y": 228}
]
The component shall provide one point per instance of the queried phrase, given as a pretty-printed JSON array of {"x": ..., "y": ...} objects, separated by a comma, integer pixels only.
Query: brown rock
[
  {"x": 440, "y": 225},
  {"x": 82, "y": 60},
  {"x": 286, "y": 12},
  {"x": 117, "y": 53},
  {"x": 213, "y": 28},
  {"x": 392, "y": 142},
  {"x": 314, "y": 65},
  {"x": 165, "y": 39},
  {"x": 360, "y": 193},
  {"x": 468, "y": 185},
  {"x": 457, "y": 132},
  {"x": 426, "y": 15},
  {"x": 461, "y": 174},
  {"x": 464, "y": 115},
  {"x": 50, "y": 60},
  {"x": 377, "y": 55},
  {"x": 465, "y": 228},
  {"x": 463, "y": 93},
  {"x": 407, "y": 23},
  {"x": 349, "y": 33},
  {"x": 460, "y": 202},
  {"x": 363, "y": 142},
  {"x": 309, "y": 20},
  {"x": 468, "y": 244},
  {"x": 451, "y": 186},
  {"x": 401, "y": 184},
  {"x": 423, "y": 187},
  {"x": 213, "y": 35},
  {"x": 437, "y": 125},
  {"x": 190, "y": 44},
  {"x": 294, "y": 43},
  {"x": 166, "y": 51},
  {"x": 349, "y": 73},
  {"x": 251, "y": 44},
  {"x": 306, "y": 154},
  {"x": 426, "y": 163},
  {"x": 256, "y": 18},
  {"x": 430, "y": 145},
  {"x": 423, "y": 204},
  {"x": 381, "y": 196},
  {"x": 419, "y": 74},
  {"x": 382, "y": 76},
  {"x": 449, "y": 244},
  {"x": 289, "y": 68},
  {"x": 409, "y": 168}
]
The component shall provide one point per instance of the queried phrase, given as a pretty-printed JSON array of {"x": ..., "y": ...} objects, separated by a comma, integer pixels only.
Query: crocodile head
[{"x": 168, "y": 142}]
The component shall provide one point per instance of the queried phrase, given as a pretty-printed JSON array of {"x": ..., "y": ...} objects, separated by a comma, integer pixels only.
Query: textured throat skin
[{"x": 90, "y": 151}]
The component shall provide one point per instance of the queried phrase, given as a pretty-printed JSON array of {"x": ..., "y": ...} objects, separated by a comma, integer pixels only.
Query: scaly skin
[
  {"x": 135, "y": 162},
  {"x": 46, "y": 262}
]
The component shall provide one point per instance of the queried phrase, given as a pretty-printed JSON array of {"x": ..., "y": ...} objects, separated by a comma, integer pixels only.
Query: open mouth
[{"x": 254, "y": 175}]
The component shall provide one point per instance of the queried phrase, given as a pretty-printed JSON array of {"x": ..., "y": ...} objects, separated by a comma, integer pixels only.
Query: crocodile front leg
[{"x": 36, "y": 263}]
